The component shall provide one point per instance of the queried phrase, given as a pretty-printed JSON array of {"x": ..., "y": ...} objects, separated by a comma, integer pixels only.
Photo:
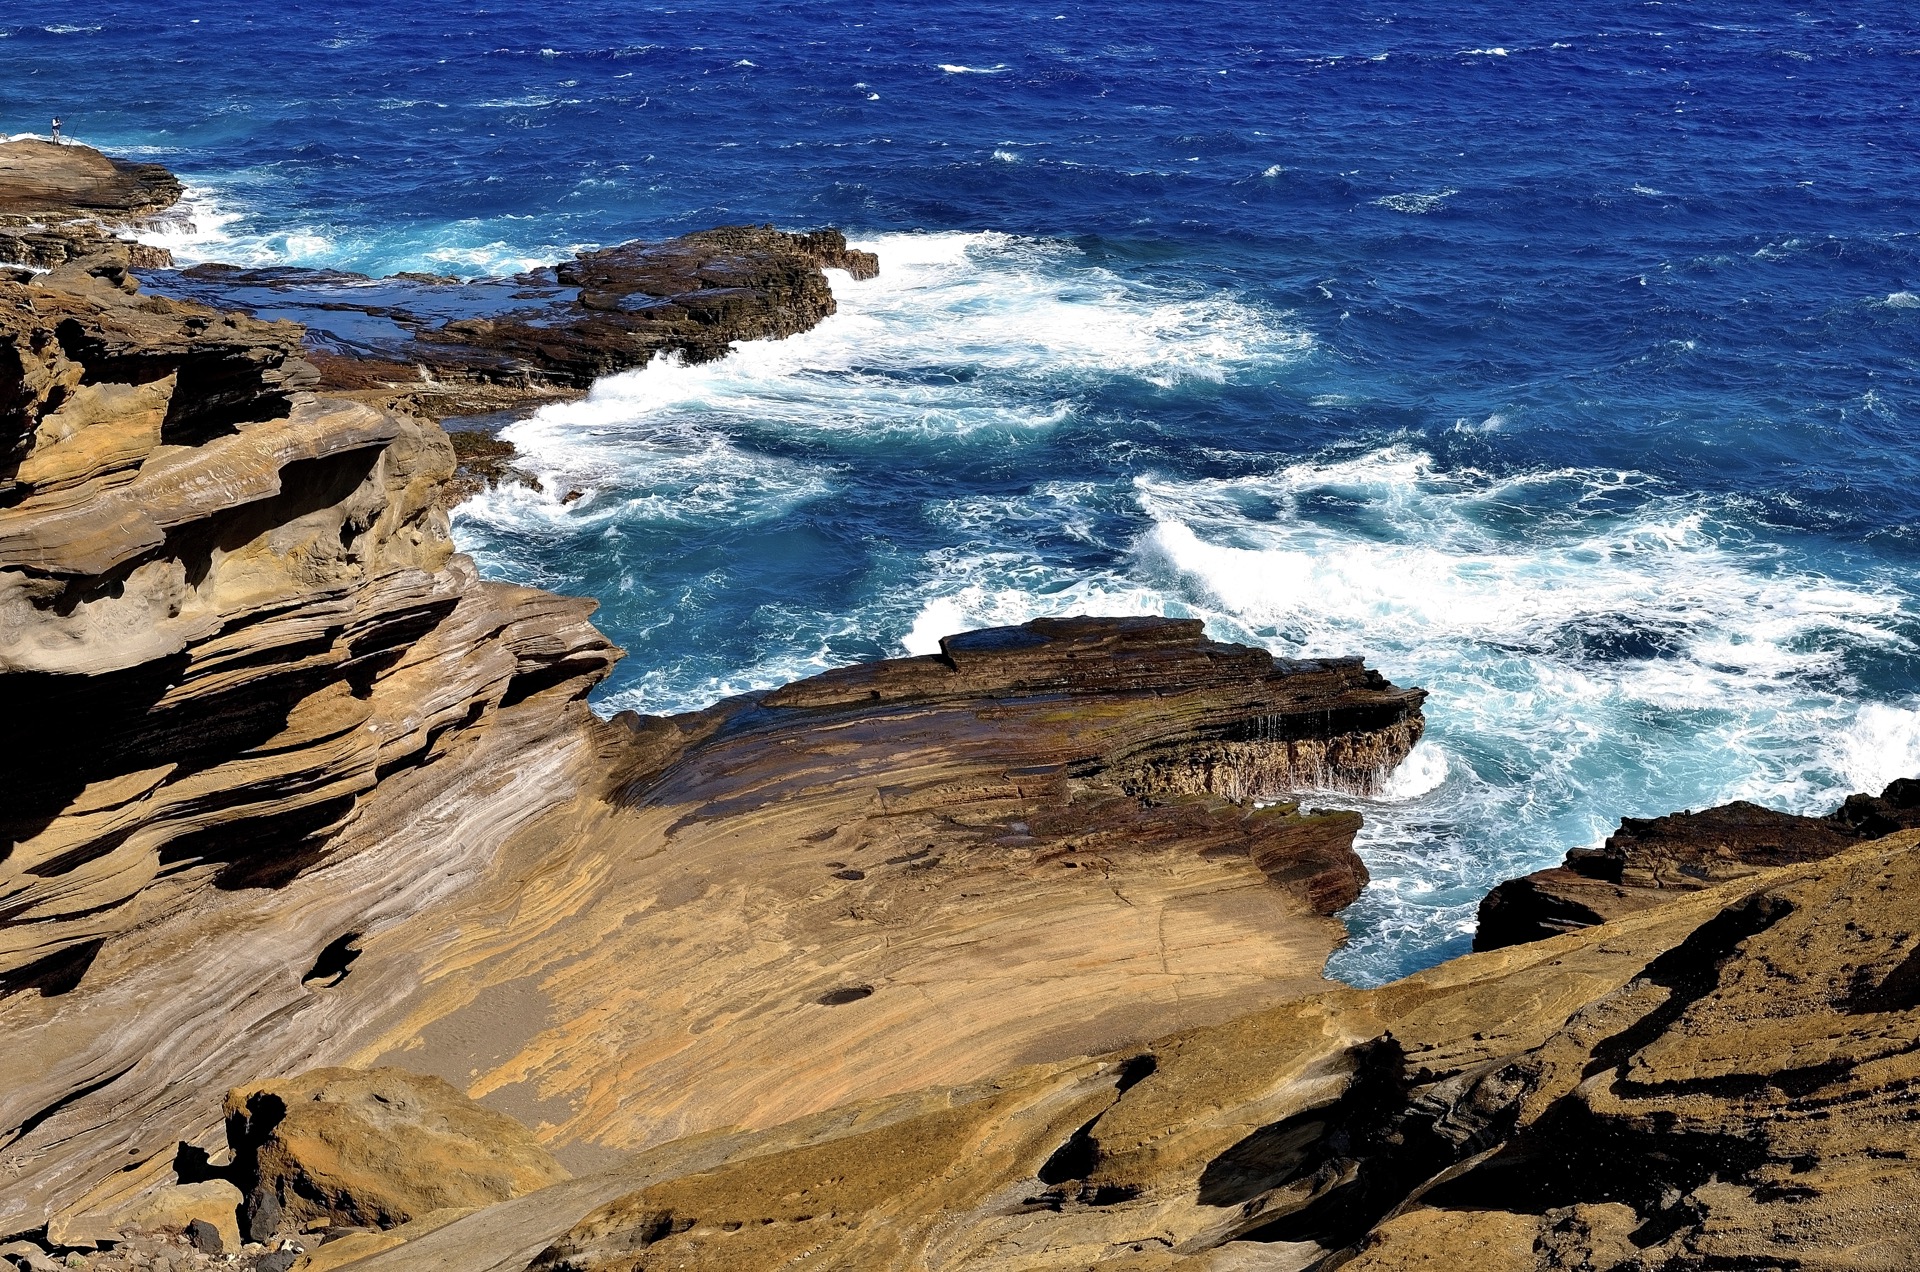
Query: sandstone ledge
[{"x": 1648, "y": 1095}]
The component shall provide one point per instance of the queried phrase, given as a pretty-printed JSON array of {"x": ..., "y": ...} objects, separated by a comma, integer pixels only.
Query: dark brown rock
[
  {"x": 204, "y": 1237},
  {"x": 39, "y": 178},
  {"x": 443, "y": 347},
  {"x": 60, "y": 203},
  {"x": 1648, "y": 860},
  {"x": 483, "y": 461}
]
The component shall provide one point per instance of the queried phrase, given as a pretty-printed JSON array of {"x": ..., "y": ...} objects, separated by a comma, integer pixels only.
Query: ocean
[{"x": 1560, "y": 359}]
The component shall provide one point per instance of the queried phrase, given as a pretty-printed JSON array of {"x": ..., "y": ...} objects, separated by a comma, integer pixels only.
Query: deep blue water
[{"x": 1563, "y": 363}]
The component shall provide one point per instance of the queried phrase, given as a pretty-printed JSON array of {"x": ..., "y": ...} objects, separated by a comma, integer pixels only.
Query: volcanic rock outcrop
[
  {"x": 1650, "y": 860},
  {"x": 300, "y": 790},
  {"x": 59, "y": 203},
  {"x": 443, "y": 346}
]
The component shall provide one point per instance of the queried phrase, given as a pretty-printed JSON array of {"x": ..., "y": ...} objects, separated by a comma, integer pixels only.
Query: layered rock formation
[
  {"x": 815, "y": 974},
  {"x": 1657, "y": 1094},
  {"x": 249, "y": 653},
  {"x": 301, "y": 790},
  {"x": 1649, "y": 860},
  {"x": 59, "y": 203}
]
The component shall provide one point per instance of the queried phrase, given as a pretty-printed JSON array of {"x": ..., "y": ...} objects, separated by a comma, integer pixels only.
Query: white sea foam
[
  {"x": 1571, "y": 624},
  {"x": 954, "y": 68},
  {"x": 1414, "y": 204},
  {"x": 195, "y": 229},
  {"x": 1902, "y": 300},
  {"x": 1420, "y": 774},
  {"x": 960, "y": 333},
  {"x": 1006, "y": 156},
  {"x": 1883, "y": 743}
]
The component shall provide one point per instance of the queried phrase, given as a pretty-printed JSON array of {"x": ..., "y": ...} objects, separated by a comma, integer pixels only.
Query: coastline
[{"x": 820, "y": 965}]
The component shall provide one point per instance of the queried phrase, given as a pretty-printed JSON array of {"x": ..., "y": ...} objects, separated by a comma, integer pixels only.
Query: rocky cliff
[
  {"x": 331, "y": 918},
  {"x": 291, "y": 787},
  {"x": 238, "y": 651},
  {"x": 59, "y": 203}
]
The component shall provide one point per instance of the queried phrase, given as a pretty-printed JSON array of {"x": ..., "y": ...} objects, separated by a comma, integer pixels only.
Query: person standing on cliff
[{"x": 56, "y": 131}]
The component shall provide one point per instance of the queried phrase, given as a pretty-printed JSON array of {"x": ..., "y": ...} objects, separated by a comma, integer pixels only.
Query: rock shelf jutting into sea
[
  {"x": 971, "y": 639},
  {"x": 1560, "y": 363}
]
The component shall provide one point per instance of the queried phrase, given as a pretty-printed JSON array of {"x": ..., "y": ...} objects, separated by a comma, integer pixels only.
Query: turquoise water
[{"x": 1563, "y": 364}]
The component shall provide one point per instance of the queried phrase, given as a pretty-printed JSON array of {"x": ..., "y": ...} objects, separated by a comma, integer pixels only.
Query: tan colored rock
[
  {"x": 1424, "y": 1240},
  {"x": 39, "y": 177},
  {"x": 234, "y": 611},
  {"x": 171, "y": 1209},
  {"x": 1717, "y": 1083},
  {"x": 381, "y": 1148},
  {"x": 342, "y": 1251},
  {"x": 303, "y": 791},
  {"x": 354, "y": 1246}
]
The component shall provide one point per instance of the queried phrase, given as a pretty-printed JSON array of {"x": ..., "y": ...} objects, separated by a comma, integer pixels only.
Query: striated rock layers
[
  {"x": 240, "y": 656},
  {"x": 1648, "y": 861},
  {"x": 290, "y": 787},
  {"x": 1724, "y": 1082},
  {"x": 59, "y": 203}
]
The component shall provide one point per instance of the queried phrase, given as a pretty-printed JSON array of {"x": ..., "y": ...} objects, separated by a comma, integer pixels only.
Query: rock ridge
[
  {"x": 1650, "y": 860},
  {"x": 59, "y": 203}
]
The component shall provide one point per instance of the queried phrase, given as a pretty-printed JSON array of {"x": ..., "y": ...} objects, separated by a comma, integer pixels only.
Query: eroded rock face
[
  {"x": 302, "y": 791},
  {"x": 238, "y": 651},
  {"x": 218, "y": 596},
  {"x": 440, "y": 347},
  {"x": 1719, "y": 1083},
  {"x": 912, "y": 872},
  {"x": 377, "y": 1148},
  {"x": 1650, "y": 860},
  {"x": 60, "y": 203}
]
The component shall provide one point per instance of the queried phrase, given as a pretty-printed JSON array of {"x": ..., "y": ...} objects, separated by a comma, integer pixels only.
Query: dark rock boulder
[{"x": 1648, "y": 860}]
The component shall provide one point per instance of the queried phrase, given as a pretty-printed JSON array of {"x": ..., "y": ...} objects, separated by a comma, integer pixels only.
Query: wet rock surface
[
  {"x": 1649, "y": 860},
  {"x": 442, "y": 347}
]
